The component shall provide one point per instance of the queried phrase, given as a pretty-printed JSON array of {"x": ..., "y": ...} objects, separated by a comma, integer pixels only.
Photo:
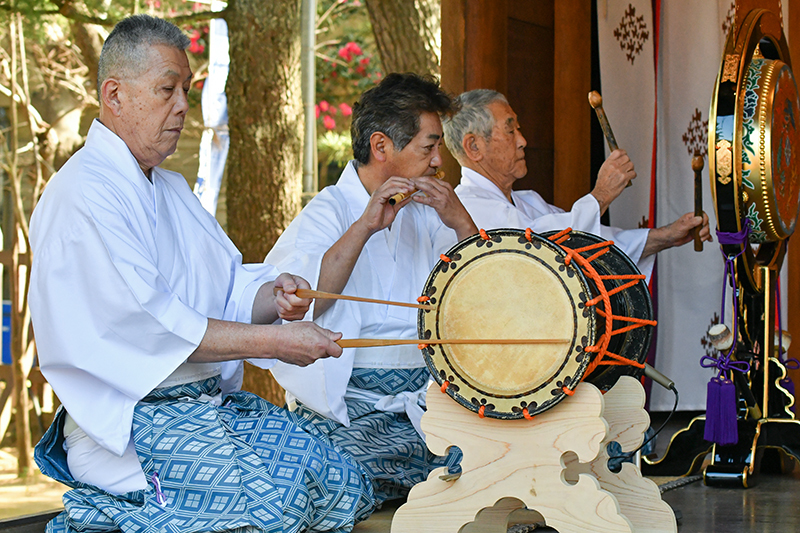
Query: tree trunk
[
  {"x": 408, "y": 34},
  {"x": 265, "y": 116}
]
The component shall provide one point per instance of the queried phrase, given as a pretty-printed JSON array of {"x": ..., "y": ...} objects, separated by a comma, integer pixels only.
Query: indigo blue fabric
[
  {"x": 386, "y": 444},
  {"x": 245, "y": 466}
]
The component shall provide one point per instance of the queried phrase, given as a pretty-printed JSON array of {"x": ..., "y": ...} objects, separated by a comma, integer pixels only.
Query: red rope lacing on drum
[
  {"x": 600, "y": 348},
  {"x": 484, "y": 235}
]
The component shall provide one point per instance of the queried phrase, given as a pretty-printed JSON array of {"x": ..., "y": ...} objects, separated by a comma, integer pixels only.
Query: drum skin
[{"x": 507, "y": 287}]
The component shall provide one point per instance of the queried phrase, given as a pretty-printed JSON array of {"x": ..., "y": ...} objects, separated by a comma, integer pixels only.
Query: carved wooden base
[{"x": 554, "y": 465}]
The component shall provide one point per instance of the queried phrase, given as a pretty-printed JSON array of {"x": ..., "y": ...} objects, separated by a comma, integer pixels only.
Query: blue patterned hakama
[
  {"x": 386, "y": 444},
  {"x": 245, "y": 466}
]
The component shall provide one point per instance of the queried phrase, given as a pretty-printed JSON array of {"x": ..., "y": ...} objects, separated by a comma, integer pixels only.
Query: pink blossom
[
  {"x": 345, "y": 54},
  {"x": 364, "y": 62},
  {"x": 353, "y": 48},
  {"x": 324, "y": 106},
  {"x": 196, "y": 48},
  {"x": 328, "y": 122},
  {"x": 316, "y": 110},
  {"x": 199, "y": 84},
  {"x": 345, "y": 109},
  {"x": 361, "y": 70}
]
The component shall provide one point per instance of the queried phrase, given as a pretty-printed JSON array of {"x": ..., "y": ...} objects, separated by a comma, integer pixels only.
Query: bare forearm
[
  {"x": 338, "y": 263},
  {"x": 264, "y": 310},
  {"x": 228, "y": 341}
]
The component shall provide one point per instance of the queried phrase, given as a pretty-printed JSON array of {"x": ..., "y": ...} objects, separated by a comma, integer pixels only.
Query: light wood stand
[{"x": 554, "y": 465}]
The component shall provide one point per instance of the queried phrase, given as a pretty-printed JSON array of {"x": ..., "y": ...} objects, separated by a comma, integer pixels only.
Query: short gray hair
[
  {"x": 125, "y": 51},
  {"x": 473, "y": 117}
]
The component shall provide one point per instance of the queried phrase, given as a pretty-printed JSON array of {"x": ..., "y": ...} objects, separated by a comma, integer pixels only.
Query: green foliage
[{"x": 347, "y": 65}]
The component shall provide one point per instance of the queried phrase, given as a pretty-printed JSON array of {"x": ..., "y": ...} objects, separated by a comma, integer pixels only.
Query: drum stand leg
[{"x": 554, "y": 465}]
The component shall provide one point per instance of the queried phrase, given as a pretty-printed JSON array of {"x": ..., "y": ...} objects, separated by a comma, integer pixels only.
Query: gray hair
[
  {"x": 126, "y": 50},
  {"x": 473, "y": 117}
]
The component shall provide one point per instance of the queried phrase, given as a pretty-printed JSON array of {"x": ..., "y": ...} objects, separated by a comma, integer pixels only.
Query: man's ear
[
  {"x": 380, "y": 144},
  {"x": 473, "y": 146},
  {"x": 110, "y": 95}
]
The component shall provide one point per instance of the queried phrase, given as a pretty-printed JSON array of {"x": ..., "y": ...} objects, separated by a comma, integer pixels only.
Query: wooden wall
[{"x": 537, "y": 53}]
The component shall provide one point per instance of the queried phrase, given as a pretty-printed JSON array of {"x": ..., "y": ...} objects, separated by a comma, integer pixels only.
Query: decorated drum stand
[
  {"x": 532, "y": 433},
  {"x": 754, "y": 135}
]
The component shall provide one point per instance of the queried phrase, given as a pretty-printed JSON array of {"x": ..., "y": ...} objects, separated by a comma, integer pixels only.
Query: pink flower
[
  {"x": 361, "y": 70},
  {"x": 353, "y": 48},
  {"x": 316, "y": 110},
  {"x": 196, "y": 48},
  {"x": 345, "y": 109},
  {"x": 332, "y": 111},
  {"x": 199, "y": 84},
  {"x": 328, "y": 122},
  {"x": 324, "y": 106},
  {"x": 345, "y": 54},
  {"x": 364, "y": 62}
]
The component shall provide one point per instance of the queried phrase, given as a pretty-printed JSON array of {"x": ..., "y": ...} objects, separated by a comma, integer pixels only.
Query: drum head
[
  {"x": 507, "y": 287},
  {"x": 633, "y": 302}
]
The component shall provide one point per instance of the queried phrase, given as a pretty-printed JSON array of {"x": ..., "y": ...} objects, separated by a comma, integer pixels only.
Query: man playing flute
[
  {"x": 138, "y": 299},
  {"x": 485, "y": 138},
  {"x": 351, "y": 240}
]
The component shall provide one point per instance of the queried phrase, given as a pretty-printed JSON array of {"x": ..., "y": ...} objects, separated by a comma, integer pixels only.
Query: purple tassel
[{"x": 721, "y": 420}]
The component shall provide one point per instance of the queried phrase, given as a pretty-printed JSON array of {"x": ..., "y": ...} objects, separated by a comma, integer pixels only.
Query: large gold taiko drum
[{"x": 753, "y": 134}]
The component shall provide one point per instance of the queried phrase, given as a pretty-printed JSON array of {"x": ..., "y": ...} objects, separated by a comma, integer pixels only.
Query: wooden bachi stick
[
  {"x": 308, "y": 293},
  {"x": 399, "y": 197},
  {"x": 697, "y": 166},
  {"x": 369, "y": 343},
  {"x": 596, "y": 101}
]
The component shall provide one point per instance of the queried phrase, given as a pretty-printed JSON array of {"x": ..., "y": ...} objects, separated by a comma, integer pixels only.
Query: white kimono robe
[
  {"x": 490, "y": 209},
  {"x": 394, "y": 265},
  {"x": 125, "y": 275}
]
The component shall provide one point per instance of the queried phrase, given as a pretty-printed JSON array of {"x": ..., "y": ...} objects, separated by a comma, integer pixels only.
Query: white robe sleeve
[{"x": 300, "y": 250}]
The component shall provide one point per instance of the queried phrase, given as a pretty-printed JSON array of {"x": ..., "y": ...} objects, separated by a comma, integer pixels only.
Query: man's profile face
[
  {"x": 420, "y": 157},
  {"x": 154, "y": 106},
  {"x": 504, "y": 156}
]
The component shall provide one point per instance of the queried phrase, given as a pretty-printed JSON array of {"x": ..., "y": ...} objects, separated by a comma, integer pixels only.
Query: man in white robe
[
  {"x": 137, "y": 300},
  {"x": 485, "y": 139},
  {"x": 350, "y": 239}
]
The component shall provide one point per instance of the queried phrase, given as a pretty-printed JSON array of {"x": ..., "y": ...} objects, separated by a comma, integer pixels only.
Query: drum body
[
  {"x": 511, "y": 286},
  {"x": 770, "y": 130},
  {"x": 632, "y": 302}
]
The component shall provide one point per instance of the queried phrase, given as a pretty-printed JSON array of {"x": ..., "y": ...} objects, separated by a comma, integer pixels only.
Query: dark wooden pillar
[{"x": 537, "y": 53}]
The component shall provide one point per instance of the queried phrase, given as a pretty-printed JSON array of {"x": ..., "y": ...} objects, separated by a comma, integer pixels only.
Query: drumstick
[
  {"x": 308, "y": 293},
  {"x": 399, "y": 197},
  {"x": 596, "y": 101},
  {"x": 369, "y": 343},
  {"x": 697, "y": 166}
]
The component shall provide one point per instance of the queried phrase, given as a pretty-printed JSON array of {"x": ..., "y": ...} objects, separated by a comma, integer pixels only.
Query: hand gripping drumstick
[
  {"x": 697, "y": 166},
  {"x": 307, "y": 293},
  {"x": 399, "y": 197},
  {"x": 596, "y": 101}
]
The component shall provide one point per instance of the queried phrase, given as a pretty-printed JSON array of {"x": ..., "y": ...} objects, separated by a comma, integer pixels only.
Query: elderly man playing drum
[
  {"x": 352, "y": 239},
  {"x": 137, "y": 296},
  {"x": 484, "y": 137}
]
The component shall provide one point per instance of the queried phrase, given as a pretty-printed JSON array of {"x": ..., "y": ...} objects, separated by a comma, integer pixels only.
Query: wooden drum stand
[{"x": 555, "y": 465}]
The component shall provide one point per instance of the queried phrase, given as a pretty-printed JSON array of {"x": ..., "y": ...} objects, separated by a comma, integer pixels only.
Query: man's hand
[
  {"x": 379, "y": 213},
  {"x": 615, "y": 174},
  {"x": 677, "y": 233},
  {"x": 440, "y": 196},
  {"x": 303, "y": 343},
  {"x": 287, "y": 305}
]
